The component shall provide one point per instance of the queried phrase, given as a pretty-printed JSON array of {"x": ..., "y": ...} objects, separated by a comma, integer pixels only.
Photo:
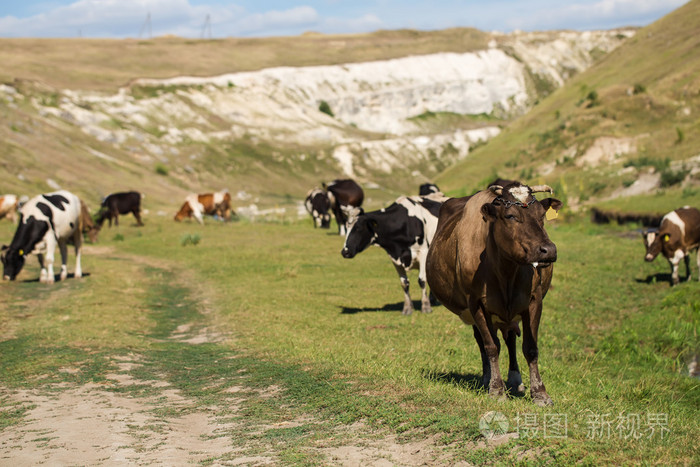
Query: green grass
[{"x": 327, "y": 332}]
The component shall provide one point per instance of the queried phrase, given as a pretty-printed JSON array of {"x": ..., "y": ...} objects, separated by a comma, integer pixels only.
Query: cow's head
[
  {"x": 517, "y": 223},
  {"x": 318, "y": 204},
  {"x": 12, "y": 262},
  {"x": 653, "y": 243},
  {"x": 361, "y": 232}
]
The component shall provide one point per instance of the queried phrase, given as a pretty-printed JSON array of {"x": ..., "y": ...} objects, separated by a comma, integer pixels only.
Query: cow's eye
[{"x": 510, "y": 216}]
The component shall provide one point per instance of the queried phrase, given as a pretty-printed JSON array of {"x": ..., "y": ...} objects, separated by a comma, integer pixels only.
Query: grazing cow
[
  {"x": 343, "y": 194},
  {"x": 491, "y": 264},
  {"x": 8, "y": 207},
  {"x": 318, "y": 205},
  {"x": 120, "y": 203},
  {"x": 405, "y": 231},
  {"x": 215, "y": 204},
  {"x": 46, "y": 221},
  {"x": 427, "y": 189},
  {"x": 677, "y": 236}
]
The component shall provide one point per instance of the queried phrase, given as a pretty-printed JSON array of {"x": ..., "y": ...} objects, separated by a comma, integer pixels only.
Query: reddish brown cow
[
  {"x": 491, "y": 264},
  {"x": 218, "y": 204},
  {"x": 87, "y": 225},
  {"x": 677, "y": 236},
  {"x": 8, "y": 207}
]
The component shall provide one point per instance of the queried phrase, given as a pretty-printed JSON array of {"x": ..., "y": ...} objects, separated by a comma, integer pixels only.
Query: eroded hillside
[{"x": 271, "y": 134}]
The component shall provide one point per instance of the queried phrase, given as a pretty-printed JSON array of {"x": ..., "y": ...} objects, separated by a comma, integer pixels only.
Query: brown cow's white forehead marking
[
  {"x": 650, "y": 237},
  {"x": 521, "y": 193}
]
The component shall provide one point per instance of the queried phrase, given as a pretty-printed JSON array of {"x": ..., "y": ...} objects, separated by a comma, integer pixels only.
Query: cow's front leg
[
  {"x": 531, "y": 323},
  {"x": 78, "y": 242},
  {"x": 403, "y": 276},
  {"x": 491, "y": 348},
  {"x": 688, "y": 273},
  {"x": 485, "y": 365},
  {"x": 63, "y": 248},
  {"x": 675, "y": 261}
]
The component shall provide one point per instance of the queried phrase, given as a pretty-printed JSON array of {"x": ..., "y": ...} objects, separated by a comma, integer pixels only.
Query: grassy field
[{"x": 278, "y": 311}]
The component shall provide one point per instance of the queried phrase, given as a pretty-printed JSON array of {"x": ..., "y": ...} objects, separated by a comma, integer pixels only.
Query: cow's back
[
  {"x": 691, "y": 218},
  {"x": 60, "y": 208},
  {"x": 455, "y": 254},
  {"x": 346, "y": 192}
]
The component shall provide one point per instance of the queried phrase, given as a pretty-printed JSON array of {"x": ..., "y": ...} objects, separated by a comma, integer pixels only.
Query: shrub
[
  {"x": 325, "y": 108},
  {"x": 639, "y": 89},
  {"x": 190, "y": 239},
  {"x": 672, "y": 177},
  {"x": 161, "y": 169},
  {"x": 680, "y": 136}
]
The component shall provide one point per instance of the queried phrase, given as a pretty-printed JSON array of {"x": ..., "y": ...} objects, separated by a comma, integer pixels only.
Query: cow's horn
[
  {"x": 542, "y": 189},
  {"x": 497, "y": 189}
]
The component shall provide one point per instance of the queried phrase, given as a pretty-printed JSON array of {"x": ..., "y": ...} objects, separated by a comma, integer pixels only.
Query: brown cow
[
  {"x": 677, "y": 236},
  {"x": 215, "y": 204},
  {"x": 343, "y": 195},
  {"x": 491, "y": 264},
  {"x": 87, "y": 225},
  {"x": 8, "y": 207}
]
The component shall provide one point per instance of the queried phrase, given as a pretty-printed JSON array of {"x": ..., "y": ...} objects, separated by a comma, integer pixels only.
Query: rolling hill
[
  {"x": 170, "y": 116},
  {"x": 623, "y": 135}
]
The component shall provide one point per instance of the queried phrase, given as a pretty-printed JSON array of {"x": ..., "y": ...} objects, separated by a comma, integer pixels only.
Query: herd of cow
[{"x": 486, "y": 257}]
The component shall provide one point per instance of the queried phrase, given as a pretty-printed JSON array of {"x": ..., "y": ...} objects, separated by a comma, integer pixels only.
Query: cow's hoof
[
  {"x": 515, "y": 382},
  {"x": 542, "y": 400},
  {"x": 426, "y": 309},
  {"x": 407, "y": 311}
]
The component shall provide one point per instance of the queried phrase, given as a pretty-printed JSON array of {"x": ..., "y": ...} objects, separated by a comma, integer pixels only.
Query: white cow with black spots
[
  {"x": 45, "y": 221},
  {"x": 676, "y": 237},
  {"x": 404, "y": 230}
]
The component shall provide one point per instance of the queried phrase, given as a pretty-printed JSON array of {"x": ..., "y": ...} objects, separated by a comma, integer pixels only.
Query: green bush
[
  {"x": 325, "y": 108},
  {"x": 161, "y": 169},
  {"x": 639, "y": 89},
  {"x": 671, "y": 177}
]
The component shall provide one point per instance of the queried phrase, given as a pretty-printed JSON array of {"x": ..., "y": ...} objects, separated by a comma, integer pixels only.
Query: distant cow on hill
[
  {"x": 215, "y": 204},
  {"x": 45, "y": 221},
  {"x": 343, "y": 194},
  {"x": 491, "y": 263},
  {"x": 676, "y": 237},
  {"x": 8, "y": 207},
  {"x": 405, "y": 231},
  {"x": 427, "y": 189},
  {"x": 120, "y": 203},
  {"x": 319, "y": 205}
]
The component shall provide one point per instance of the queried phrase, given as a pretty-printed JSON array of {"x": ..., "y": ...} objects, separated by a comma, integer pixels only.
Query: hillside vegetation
[{"x": 629, "y": 125}]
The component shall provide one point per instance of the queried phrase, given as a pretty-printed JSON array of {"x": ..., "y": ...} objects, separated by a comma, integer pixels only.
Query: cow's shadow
[
  {"x": 658, "y": 277},
  {"x": 56, "y": 278},
  {"x": 389, "y": 307},
  {"x": 470, "y": 381}
]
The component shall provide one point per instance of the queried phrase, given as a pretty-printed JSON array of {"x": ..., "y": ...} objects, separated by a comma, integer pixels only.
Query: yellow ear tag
[
  {"x": 667, "y": 237},
  {"x": 21, "y": 252},
  {"x": 551, "y": 214}
]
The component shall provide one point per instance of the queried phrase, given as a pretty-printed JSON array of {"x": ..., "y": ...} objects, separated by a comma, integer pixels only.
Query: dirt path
[{"x": 127, "y": 420}]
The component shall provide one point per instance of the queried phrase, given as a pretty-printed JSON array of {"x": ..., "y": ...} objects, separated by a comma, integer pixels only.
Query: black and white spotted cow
[
  {"x": 45, "y": 221},
  {"x": 428, "y": 189},
  {"x": 319, "y": 205},
  {"x": 404, "y": 230},
  {"x": 676, "y": 237}
]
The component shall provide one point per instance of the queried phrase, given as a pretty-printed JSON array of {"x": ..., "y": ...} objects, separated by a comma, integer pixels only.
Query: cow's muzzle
[
  {"x": 649, "y": 257},
  {"x": 347, "y": 253},
  {"x": 547, "y": 254}
]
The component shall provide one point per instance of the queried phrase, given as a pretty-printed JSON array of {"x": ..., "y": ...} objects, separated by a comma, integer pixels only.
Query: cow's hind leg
[
  {"x": 63, "y": 248},
  {"x": 675, "y": 261},
  {"x": 137, "y": 215},
  {"x": 78, "y": 243},
  {"x": 43, "y": 274},
  {"x": 515, "y": 379},
  {"x": 485, "y": 366},
  {"x": 688, "y": 274},
  {"x": 407, "y": 303}
]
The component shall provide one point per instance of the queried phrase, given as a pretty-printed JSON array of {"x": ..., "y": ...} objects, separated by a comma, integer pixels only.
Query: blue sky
[{"x": 249, "y": 18}]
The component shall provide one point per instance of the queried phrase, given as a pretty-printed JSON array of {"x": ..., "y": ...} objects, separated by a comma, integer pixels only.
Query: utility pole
[
  {"x": 146, "y": 26},
  {"x": 206, "y": 28}
]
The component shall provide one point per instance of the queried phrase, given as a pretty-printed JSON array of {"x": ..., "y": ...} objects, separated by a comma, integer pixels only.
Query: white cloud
[
  {"x": 600, "y": 14},
  {"x": 303, "y": 16}
]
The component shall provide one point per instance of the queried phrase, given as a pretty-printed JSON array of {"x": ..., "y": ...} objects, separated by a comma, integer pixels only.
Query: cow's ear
[
  {"x": 552, "y": 203},
  {"x": 4, "y": 247},
  {"x": 489, "y": 212}
]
